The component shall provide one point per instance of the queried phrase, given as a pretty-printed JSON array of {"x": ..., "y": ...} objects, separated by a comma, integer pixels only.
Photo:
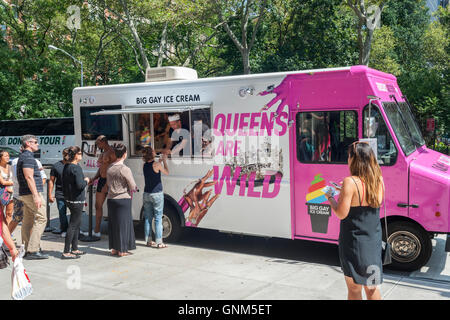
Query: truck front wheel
[{"x": 411, "y": 246}]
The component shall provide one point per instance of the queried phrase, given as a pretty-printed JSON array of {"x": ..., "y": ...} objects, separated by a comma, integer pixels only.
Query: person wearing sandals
[
  {"x": 153, "y": 197},
  {"x": 74, "y": 184},
  {"x": 358, "y": 208},
  {"x": 120, "y": 182}
]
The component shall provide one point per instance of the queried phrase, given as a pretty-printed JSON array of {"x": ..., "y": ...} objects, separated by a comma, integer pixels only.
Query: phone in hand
[{"x": 337, "y": 186}]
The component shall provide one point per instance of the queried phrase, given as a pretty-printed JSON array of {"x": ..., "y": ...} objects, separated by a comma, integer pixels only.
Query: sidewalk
[{"x": 225, "y": 268}]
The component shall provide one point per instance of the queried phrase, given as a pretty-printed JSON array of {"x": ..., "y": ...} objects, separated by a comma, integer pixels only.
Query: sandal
[
  {"x": 151, "y": 244},
  {"x": 161, "y": 245},
  {"x": 114, "y": 252},
  {"x": 124, "y": 254},
  {"x": 78, "y": 253},
  {"x": 70, "y": 256}
]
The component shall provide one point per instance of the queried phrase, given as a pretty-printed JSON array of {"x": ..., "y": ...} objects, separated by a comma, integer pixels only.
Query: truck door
[
  {"x": 393, "y": 166},
  {"x": 319, "y": 158}
]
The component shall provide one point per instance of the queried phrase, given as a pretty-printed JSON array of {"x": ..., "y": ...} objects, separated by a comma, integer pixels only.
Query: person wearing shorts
[{"x": 104, "y": 160}]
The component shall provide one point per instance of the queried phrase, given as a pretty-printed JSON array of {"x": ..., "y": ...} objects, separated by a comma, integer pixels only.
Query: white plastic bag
[{"x": 21, "y": 285}]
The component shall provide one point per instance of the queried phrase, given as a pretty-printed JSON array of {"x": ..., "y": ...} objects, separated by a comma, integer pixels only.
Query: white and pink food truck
[{"x": 252, "y": 154}]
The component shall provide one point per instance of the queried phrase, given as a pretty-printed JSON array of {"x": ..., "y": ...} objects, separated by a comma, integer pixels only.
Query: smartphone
[{"x": 337, "y": 186}]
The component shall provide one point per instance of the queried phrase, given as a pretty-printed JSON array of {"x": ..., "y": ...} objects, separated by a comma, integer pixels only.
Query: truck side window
[
  {"x": 201, "y": 133},
  {"x": 323, "y": 137},
  {"x": 141, "y": 134},
  {"x": 387, "y": 152}
]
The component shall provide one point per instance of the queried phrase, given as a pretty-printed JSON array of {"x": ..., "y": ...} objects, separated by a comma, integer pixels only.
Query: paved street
[{"x": 208, "y": 265}]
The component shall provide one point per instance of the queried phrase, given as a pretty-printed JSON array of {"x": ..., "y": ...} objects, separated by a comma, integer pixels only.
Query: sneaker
[
  {"x": 35, "y": 256},
  {"x": 84, "y": 233},
  {"x": 63, "y": 234},
  {"x": 96, "y": 234}
]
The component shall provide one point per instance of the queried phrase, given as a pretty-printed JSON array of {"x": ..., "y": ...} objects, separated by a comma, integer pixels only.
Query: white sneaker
[
  {"x": 84, "y": 233},
  {"x": 63, "y": 234},
  {"x": 96, "y": 234}
]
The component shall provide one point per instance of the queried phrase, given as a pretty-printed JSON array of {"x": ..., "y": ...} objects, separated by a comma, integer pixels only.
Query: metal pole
[
  {"x": 90, "y": 237},
  {"x": 47, "y": 227}
]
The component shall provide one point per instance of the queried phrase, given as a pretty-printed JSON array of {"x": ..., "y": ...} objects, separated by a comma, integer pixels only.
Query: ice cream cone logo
[{"x": 315, "y": 193}]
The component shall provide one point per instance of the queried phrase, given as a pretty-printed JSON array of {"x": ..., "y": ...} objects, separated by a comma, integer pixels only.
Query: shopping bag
[{"x": 21, "y": 285}]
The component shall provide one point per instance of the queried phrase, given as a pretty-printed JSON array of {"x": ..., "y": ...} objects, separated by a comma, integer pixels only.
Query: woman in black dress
[
  {"x": 74, "y": 184},
  {"x": 358, "y": 208},
  {"x": 121, "y": 185}
]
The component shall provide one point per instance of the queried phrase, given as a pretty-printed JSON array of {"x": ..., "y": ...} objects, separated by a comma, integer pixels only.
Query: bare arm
[
  {"x": 163, "y": 167},
  {"x": 51, "y": 183},
  {"x": 8, "y": 241},
  {"x": 28, "y": 174},
  {"x": 342, "y": 206}
]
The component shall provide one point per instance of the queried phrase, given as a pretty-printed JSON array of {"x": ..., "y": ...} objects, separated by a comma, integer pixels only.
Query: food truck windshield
[{"x": 404, "y": 126}]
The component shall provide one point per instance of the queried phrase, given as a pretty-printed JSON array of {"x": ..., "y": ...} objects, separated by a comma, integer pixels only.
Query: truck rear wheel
[
  {"x": 411, "y": 246},
  {"x": 171, "y": 225}
]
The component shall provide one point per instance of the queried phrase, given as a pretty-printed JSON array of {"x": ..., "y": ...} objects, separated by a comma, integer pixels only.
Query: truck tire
[
  {"x": 411, "y": 246},
  {"x": 171, "y": 225}
]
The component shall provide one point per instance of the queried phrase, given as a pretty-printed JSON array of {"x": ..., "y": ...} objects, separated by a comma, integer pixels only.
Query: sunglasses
[{"x": 354, "y": 144}]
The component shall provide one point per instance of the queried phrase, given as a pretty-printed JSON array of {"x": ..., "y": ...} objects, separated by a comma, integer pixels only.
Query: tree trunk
[
  {"x": 135, "y": 34},
  {"x": 246, "y": 61},
  {"x": 367, "y": 47}
]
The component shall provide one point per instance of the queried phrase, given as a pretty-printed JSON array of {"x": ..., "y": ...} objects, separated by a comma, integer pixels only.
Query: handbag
[
  {"x": 386, "y": 257},
  {"x": 4, "y": 259},
  {"x": 5, "y": 196}
]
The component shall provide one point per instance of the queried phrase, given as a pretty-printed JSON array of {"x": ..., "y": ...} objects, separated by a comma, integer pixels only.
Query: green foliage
[{"x": 294, "y": 35}]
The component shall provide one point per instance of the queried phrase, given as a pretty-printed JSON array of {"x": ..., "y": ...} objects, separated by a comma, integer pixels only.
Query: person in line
[
  {"x": 121, "y": 184},
  {"x": 105, "y": 159},
  {"x": 73, "y": 184},
  {"x": 30, "y": 192},
  {"x": 358, "y": 208},
  {"x": 7, "y": 183},
  {"x": 153, "y": 197},
  {"x": 56, "y": 180},
  {"x": 18, "y": 204}
]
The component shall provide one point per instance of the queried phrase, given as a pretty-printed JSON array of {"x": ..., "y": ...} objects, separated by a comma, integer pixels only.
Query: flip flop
[
  {"x": 161, "y": 245},
  {"x": 151, "y": 244},
  {"x": 63, "y": 257},
  {"x": 79, "y": 253},
  {"x": 124, "y": 254}
]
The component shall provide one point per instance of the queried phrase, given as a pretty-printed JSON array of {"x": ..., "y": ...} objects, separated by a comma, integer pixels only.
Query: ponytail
[{"x": 72, "y": 151}]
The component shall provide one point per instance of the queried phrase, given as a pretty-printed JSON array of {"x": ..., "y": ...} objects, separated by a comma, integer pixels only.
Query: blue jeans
[
  {"x": 153, "y": 208},
  {"x": 62, "y": 209}
]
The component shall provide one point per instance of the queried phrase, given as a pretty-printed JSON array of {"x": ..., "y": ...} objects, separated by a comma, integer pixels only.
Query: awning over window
[{"x": 147, "y": 109}]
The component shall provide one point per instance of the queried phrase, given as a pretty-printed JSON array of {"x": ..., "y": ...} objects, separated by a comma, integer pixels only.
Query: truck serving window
[
  {"x": 175, "y": 134},
  {"x": 94, "y": 125},
  {"x": 323, "y": 137},
  {"x": 386, "y": 150}
]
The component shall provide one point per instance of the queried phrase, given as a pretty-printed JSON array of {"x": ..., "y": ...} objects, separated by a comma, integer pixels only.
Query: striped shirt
[{"x": 26, "y": 160}]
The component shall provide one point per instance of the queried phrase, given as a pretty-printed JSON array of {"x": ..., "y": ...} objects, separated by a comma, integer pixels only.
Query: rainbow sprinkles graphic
[{"x": 318, "y": 211}]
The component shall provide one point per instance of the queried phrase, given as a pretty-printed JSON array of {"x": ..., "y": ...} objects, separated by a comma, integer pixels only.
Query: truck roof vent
[{"x": 170, "y": 73}]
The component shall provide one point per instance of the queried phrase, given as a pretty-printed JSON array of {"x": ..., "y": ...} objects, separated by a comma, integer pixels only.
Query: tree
[
  {"x": 368, "y": 14},
  {"x": 249, "y": 12}
]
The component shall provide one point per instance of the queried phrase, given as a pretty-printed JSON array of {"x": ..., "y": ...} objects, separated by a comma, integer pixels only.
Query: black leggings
[{"x": 76, "y": 210}]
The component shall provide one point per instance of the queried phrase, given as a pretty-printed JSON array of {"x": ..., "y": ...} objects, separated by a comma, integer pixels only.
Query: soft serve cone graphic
[
  {"x": 315, "y": 193},
  {"x": 319, "y": 213}
]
